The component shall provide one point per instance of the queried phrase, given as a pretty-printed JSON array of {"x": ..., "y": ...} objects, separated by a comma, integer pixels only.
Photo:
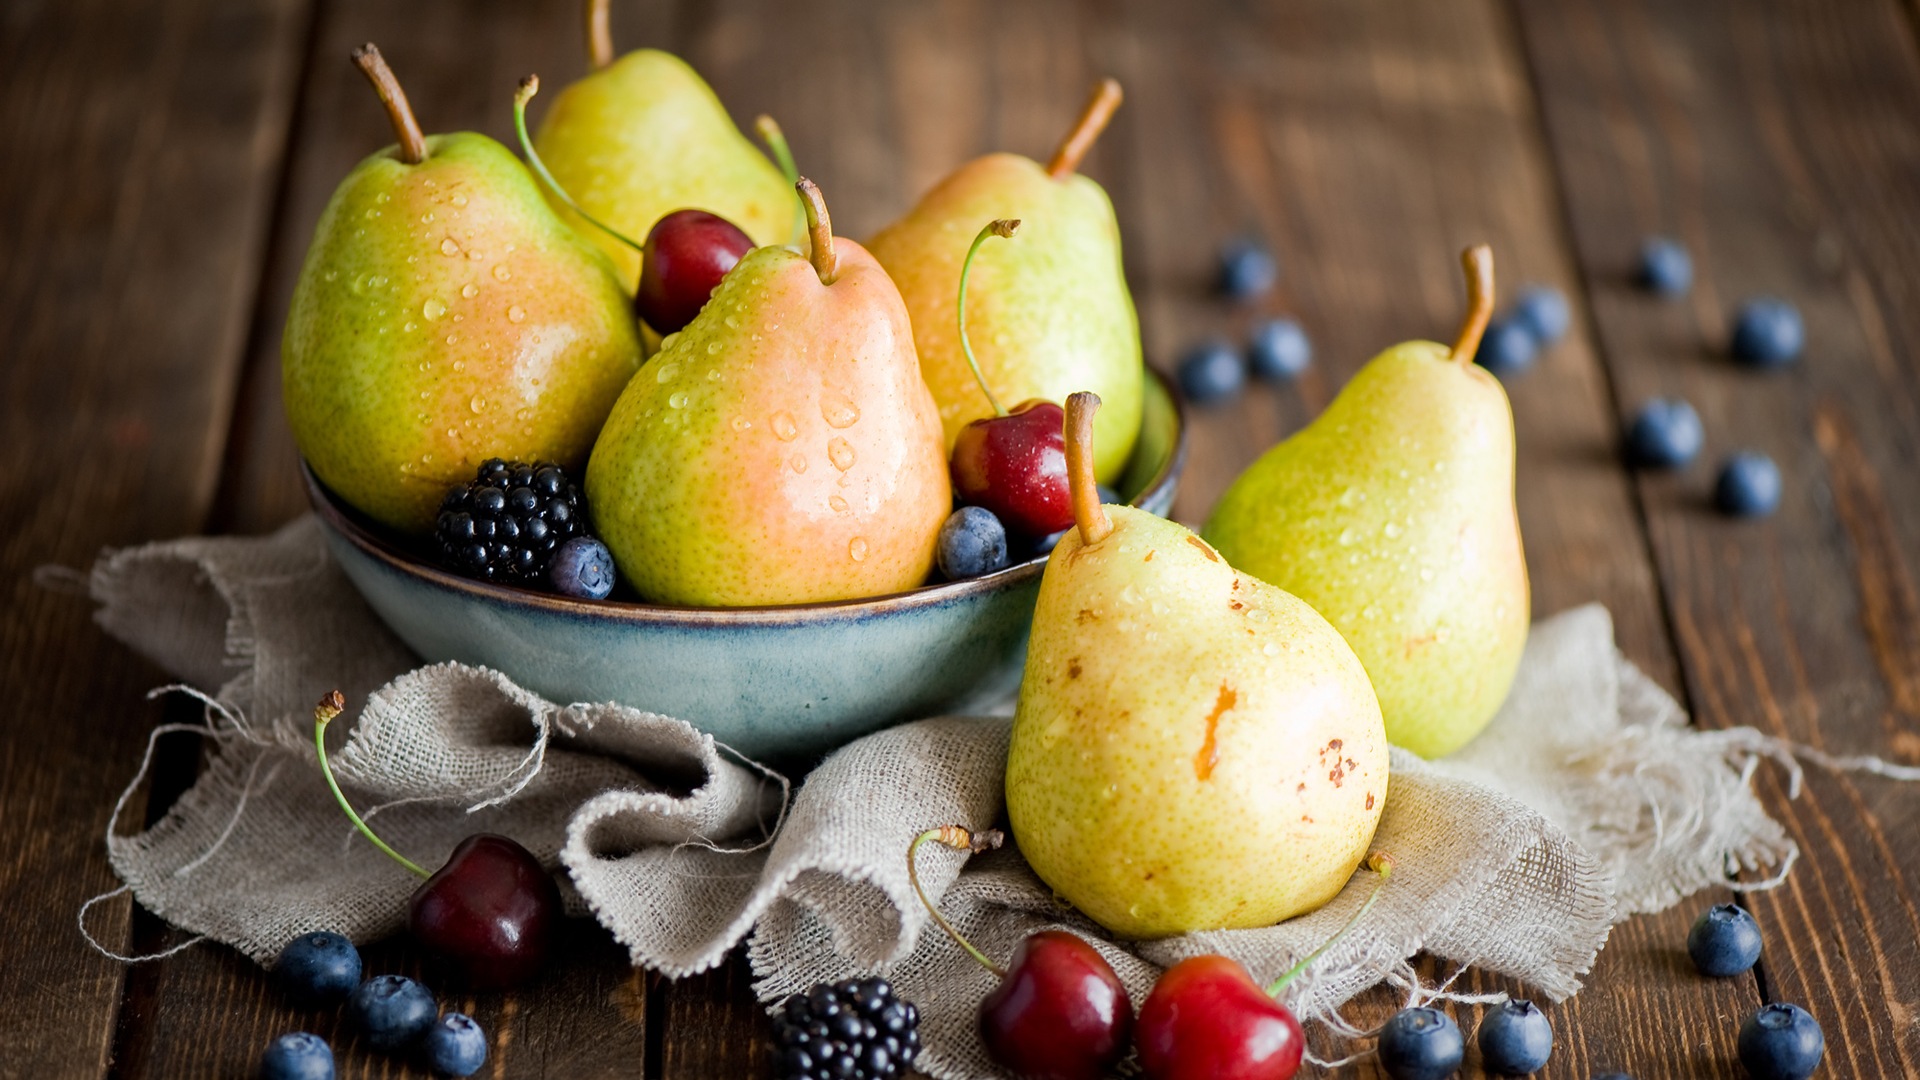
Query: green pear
[
  {"x": 1053, "y": 310},
  {"x": 1194, "y": 749},
  {"x": 642, "y": 136},
  {"x": 444, "y": 315},
  {"x": 1393, "y": 515},
  {"x": 782, "y": 448}
]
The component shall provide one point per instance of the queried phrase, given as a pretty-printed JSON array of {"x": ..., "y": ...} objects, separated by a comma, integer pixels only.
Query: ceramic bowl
[{"x": 770, "y": 682}]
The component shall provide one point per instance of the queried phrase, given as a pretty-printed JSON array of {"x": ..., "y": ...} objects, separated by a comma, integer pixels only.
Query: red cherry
[
  {"x": 1059, "y": 1014},
  {"x": 492, "y": 911},
  {"x": 686, "y": 254},
  {"x": 1206, "y": 1019},
  {"x": 1016, "y": 466}
]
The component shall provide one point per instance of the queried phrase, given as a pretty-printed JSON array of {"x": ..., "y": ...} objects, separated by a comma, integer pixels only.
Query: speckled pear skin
[
  {"x": 1193, "y": 749},
  {"x": 1393, "y": 515},
  {"x": 1048, "y": 311},
  {"x": 444, "y": 316},
  {"x": 645, "y": 136},
  {"x": 781, "y": 449}
]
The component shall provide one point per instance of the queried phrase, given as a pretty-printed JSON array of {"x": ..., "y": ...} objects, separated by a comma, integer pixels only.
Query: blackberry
[
  {"x": 505, "y": 523},
  {"x": 855, "y": 1029}
]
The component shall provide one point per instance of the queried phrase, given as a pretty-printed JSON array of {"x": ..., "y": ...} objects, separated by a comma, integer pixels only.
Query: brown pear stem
[
  {"x": 1093, "y": 120},
  {"x": 819, "y": 231},
  {"x": 1478, "y": 261},
  {"x": 599, "y": 35},
  {"x": 413, "y": 142},
  {"x": 1088, "y": 514}
]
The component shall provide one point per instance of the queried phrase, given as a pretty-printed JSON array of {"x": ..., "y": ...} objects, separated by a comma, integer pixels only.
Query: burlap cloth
[{"x": 1586, "y": 801}]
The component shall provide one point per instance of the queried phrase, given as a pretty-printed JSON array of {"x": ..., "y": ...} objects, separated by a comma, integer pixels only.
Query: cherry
[
  {"x": 1206, "y": 1018},
  {"x": 491, "y": 911},
  {"x": 1059, "y": 1013},
  {"x": 1012, "y": 463},
  {"x": 686, "y": 254}
]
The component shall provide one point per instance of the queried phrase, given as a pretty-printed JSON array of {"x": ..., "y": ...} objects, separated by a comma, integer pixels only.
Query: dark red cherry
[
  {"x": 1016, "y": 466},
  {"x": 1059, "y": 1014},
  {"x": 686, "y": 255},
  {"x": 492, "y": 911},
  {"x": 1206, "y": 1019}
]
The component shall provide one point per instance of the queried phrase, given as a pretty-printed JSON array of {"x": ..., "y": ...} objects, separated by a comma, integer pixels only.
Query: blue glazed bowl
[{"x": 770, "y": 682}]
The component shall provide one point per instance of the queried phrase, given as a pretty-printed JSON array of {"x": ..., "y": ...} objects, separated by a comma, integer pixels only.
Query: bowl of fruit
[{"x": 745, "y": 472}]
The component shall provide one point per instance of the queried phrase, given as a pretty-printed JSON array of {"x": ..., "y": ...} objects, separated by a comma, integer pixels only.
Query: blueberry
[
  {"x": 972, "y": 542},
  {"x": 318, "y": 969},
  {"x": 1724, "y": 941},
  {"x": 1247, "y": 269},
  {"x": 1665, "y": 266},
  {"x": 1108, "y": 496},
  {"x": 455, "y": 1046},
  {"x": 1515, "y": 1038},
  {"x": 393, "y": 1011},
  {"x": 1508, "y": 347},
  {"x": 1666, "y": 432},
  {"x": 1045, "y": 544},
  {"x": 1543, "y": 309},
  {"x": 1781, "y": 1042},
  {"x": 1767, "y": 333},
  {"x": 297, "y": 1056},
  {"x": 1212, "y": 372},
  {"x": 1749, "y": 485},
  {"x": 582, "y": 568},
  {"x": 1421, "y": 1044},
  {"x": 1279, "y": 350}
]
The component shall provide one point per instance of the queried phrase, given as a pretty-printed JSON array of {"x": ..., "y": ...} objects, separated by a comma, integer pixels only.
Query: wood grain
[
  {"x": 143, "y": 143},
  {"x": 1777, "y": 140}
]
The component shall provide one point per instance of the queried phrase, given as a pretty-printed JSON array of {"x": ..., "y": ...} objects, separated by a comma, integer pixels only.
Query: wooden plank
[
  {"x": 1368, "y": 143},
  {"x": 143, "y": 140},
  {"x": 1777, "y": 141}
]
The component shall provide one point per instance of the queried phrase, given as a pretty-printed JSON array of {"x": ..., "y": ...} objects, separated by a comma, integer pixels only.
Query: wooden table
[{"x": 165, "y": 161}]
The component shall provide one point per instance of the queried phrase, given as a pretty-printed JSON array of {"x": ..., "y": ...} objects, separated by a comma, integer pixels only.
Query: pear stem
[
  {"x": 959, "y": 839},
  {"x": 413, "y": 143},
  {"x": 1478, "y": 262},
  {"x": 1380, "y": 863},
  {"x": 330, "y": 707},
  {"x": 530, "y": 86},
  {"x": 599, "y": 34},
  {"x": 1093, "y": 120},
  {"x": 819, "y": 231},
  {"x": 1088, "y": 514},
  {"x": 1004, "y": 228}
]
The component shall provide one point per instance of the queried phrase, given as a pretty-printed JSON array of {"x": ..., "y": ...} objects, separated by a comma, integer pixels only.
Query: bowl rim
[{"x": 347, "y": 524}]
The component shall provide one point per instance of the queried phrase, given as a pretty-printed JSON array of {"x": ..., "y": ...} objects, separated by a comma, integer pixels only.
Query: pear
[
  {"x": 1194, "y": 749},
  {"x": 644, "y": 135},
  {"x": 1055, "y": 306},
  {"x": 782, "y": 448},
  {"x": 444, "y": 315},
  {"x": 1393, "y": 515}
]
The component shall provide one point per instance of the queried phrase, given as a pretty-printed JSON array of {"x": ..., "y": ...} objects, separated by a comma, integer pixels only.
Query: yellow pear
[
  {"x": 1055, "y": 306},
  {"x": 1393, "y": 515},
  {"x": 1194, "y": 749}
]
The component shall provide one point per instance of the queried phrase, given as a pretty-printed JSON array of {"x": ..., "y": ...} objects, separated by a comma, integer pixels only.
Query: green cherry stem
[
  {"x": 769, "y": 131},
  {"x": 1004, "y": 228},
  {"x": 530, "y": 86},
  {"x": 329, "y": 708},
  {"x": 1380, "y": 863},
  {"x": 959, "y": 839}
]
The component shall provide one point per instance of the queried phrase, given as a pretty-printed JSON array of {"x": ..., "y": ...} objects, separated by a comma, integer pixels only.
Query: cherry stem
[
  {"x": 599, "y": 34},
  {"x": 530, "y": 86},
  {"x": 1478, "y": 262},
  {"x": 959, "y": 839},
  {"x": 413, "y": 143},
  {"x": 1093, "y": 120},
  {"x": 1088, "y": 514},
  {"x": 1004, "y": 228},
  {"x": 819, "y": 231},
  {"x": 769, "y": 131},
  {"x": 1380, "y": 863},
  {"x": 329, "y": 708}
]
